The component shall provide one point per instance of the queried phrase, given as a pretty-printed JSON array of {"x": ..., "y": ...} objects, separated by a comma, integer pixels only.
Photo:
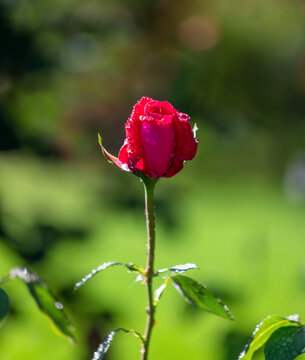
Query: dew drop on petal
[{"x": 125, "y": 167}]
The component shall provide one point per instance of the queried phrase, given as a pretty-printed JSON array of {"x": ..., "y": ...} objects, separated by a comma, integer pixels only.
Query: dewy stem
[{"x": 149, "y": 186}]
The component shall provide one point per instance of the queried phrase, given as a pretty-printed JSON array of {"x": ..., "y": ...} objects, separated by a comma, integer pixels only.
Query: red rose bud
[{"x": 158, "y": 140}]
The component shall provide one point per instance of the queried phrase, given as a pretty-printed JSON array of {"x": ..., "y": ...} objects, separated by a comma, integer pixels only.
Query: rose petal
[
  {"x": 158, "y": 141},
  {"x": 159, "y": 108},
  {"x": 174, "y": 169},
  {"x": 123, "y": 155},
  {"x": 133, "y": 141},
  {"x": 190, "y": 143},
  {"x": 186, "y": 145},
  {"x": 139, "y": 107}
]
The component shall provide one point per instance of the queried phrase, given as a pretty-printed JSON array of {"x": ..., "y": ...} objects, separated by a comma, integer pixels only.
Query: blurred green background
[{"x": 71, "y": 68}]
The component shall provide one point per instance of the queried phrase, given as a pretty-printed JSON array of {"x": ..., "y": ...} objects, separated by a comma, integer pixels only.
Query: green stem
[{"x": 149, "y": 186}]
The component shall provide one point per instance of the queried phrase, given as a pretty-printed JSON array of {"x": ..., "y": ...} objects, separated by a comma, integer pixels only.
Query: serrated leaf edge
[
  {"x": 104, "y": 266},
  {"x": 105, "y": 344}
]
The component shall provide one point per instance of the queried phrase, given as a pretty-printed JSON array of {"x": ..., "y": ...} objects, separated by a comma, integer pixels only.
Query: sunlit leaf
[
  {"x": 100, "y": 353},
  {"x": 179, "y": 269},
  {"x": 4, "y": 304},
  {"x": 45, "y": 300},
  {"x": 285, "y": 343},
  {"x": 130, "y": 267},
  {"x": 140, "y": 278},
  {"x": 264, "y": 331},
  {"x": 199, "y": 296},
  {"x": 159, "y": 291}
]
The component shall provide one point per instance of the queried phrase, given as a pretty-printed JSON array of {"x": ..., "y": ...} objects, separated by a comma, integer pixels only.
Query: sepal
[{"x": 110, "y": 158}]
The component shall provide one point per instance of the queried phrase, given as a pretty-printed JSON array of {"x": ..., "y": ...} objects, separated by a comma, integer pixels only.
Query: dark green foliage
[
  {"x": 4, "y": 304},
  {"x": 286, "y": 343}
]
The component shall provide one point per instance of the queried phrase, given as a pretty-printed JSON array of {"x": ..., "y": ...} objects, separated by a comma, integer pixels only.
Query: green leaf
[
  {"x": 264, "y": 331},
  {"x": 4, "y": 304},
  {"x": 100, "y": 353},
  {"x": 198, "y": 295},
  {"x": 44, "y": 299},
  {"x": 130, "y": 267},
  {"x": 159, "y": 291},
  {"x": 285, "y": 343},
  {"x": 178, "y": 268}
]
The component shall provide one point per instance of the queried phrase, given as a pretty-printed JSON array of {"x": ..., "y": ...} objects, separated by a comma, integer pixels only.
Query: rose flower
[{"x": 158, "y": 140}]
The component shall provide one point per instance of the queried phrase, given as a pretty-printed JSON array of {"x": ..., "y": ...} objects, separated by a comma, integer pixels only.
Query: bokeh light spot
[{"x": 199, "y": 33}]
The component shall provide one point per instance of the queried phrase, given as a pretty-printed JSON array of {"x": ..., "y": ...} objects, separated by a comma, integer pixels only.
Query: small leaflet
[
  {"x": 104, "y": 266},
  {"x": 104, "y": 346},
  {"x": 159, "y": 292},
  {"x": 178, "y": 269},
  {"x": 101, "y": 351}
]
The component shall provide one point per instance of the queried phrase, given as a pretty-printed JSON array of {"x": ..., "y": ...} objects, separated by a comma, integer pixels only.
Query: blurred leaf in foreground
[
  {"x": 264, "y": 331},
  {"x": 45, "y": 300},
  {"x": 286, "y": 343}
]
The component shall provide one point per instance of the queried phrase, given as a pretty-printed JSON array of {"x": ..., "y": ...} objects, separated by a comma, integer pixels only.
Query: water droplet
[
  {"x": 125, "y": 167},
  {"x": 171, "y": 155},
  {"x": 59, "y": 305}
]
